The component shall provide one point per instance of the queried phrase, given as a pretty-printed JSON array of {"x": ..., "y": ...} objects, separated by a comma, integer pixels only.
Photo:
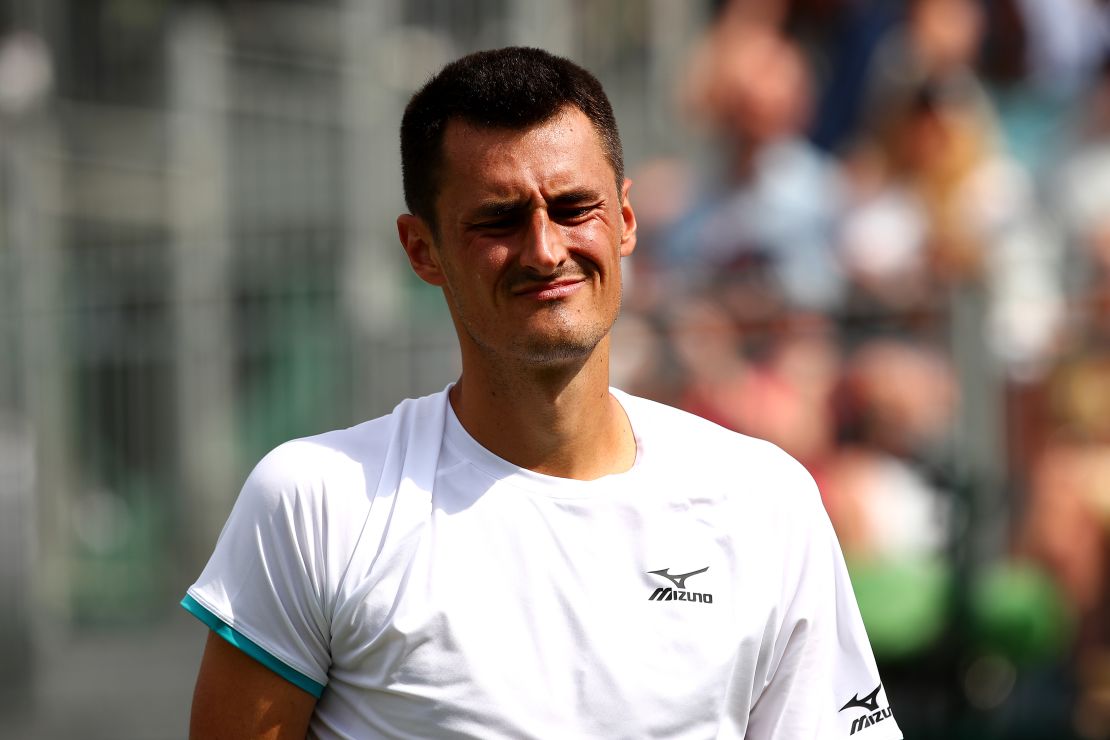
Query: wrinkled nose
[{"x": 542, "y": 249}]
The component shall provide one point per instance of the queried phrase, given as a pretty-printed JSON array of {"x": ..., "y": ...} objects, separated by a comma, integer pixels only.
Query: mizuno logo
[
  {"x": 665, "y": 593},
  {"x": 680, "y": 580},
  {"x": 670, "y": 594},
  {"x": 870, "y": 704}
]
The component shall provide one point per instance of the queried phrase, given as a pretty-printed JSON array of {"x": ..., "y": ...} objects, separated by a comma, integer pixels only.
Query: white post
[
  {"x": 674, "y": 29},
  {"x": 548, "y": 24},
  {"x": 199, "y": 223},
  {"x": 32, "y": 152},
  {"x": 372, "y": 282},
  {"x": 980, "y": 432}
]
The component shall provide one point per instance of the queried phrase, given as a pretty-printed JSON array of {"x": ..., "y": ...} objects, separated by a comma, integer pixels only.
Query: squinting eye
[
  {"x": 567, "y": 214},
  {"x": 499, "y": 224}
]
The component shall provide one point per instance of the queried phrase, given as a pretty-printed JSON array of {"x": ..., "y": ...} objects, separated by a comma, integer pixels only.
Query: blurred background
[{"x": 875, "y": 232}]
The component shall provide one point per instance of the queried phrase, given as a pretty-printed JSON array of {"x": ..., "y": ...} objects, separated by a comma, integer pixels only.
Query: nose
[{"x": 543, "y": 250}]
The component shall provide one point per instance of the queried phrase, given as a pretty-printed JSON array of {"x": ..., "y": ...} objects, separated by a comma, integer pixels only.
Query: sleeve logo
[{"x": 869, "y": 704}]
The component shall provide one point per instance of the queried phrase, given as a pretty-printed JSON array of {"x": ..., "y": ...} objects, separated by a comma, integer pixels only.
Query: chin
[{"x": 557, "y": 350}]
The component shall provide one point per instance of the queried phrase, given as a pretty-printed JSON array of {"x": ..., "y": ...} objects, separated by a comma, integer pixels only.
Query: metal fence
[{"x": 194, "y": 274}]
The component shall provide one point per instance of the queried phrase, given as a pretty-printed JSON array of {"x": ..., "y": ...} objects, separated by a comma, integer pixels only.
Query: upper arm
[
  {"x": 238, "y": 697},
  {"x": 822, "y": 657}
]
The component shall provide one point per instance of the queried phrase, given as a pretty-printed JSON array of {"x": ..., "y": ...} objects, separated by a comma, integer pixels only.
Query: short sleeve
[
  {"x": 824, "y": 682},
  {"x": 265, "y": 588}
]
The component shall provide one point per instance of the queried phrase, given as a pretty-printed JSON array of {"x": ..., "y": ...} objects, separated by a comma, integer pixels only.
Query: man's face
[{"x": 531, "y": 229}]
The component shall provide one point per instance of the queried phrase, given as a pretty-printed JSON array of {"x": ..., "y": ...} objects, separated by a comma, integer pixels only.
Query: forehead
[{"x": 562, "y": 152}]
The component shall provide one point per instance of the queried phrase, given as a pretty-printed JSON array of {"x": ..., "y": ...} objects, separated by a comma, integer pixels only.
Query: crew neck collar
[{"x": 500, "y": 469}]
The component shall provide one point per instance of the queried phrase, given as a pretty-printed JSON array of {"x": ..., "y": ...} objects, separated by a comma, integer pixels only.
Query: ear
[
  {"x": 628, "y": 216},
  {"x": 416, "y": 239}
]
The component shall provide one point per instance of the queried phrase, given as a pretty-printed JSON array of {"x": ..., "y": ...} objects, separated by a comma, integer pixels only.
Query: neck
[{"x": 559, "y": 421}]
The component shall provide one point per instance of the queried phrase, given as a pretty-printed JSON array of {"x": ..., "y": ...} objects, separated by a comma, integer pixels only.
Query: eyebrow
[
  {"x": 498, "y": 208},
  {"x": 578, "y": 195}
]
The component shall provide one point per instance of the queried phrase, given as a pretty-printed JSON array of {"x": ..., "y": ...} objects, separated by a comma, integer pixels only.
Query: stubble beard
[{"x": 570, "y": 343}]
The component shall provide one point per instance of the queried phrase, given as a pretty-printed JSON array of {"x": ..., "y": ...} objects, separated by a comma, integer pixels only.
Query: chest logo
[{"x": 679, "y": 592}]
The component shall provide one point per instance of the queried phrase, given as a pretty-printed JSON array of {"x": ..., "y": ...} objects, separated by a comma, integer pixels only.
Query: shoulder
[
  {"x": 746, "y": 465},
  {"x": 339, "y": 468},
  {"x": 657, "y": 424},
  {"x": 358, "y": 451},
  {"x": 313, "y": 495},
  {"x": 321, "y": 461}
]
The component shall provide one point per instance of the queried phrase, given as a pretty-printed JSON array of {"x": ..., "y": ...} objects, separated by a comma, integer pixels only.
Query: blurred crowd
[{"x": 904, "y": 227}]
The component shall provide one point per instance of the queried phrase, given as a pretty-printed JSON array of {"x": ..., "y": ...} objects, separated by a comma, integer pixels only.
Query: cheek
[
  {"x": 596, "y": 240},
  {"x": 490, "y": 262},
  {"x": 495, "y": 257},
  {"x": 482, "y": 263}
]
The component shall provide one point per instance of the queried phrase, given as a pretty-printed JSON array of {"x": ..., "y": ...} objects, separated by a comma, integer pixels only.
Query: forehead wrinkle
[{"x": 501, "y": 144}]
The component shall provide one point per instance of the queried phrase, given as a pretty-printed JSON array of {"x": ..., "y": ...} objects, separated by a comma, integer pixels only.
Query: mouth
[{"x": 549, "y": 290}]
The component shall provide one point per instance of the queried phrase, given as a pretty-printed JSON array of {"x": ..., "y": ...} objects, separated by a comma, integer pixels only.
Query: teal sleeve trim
[{"x": 251, "y": 648}]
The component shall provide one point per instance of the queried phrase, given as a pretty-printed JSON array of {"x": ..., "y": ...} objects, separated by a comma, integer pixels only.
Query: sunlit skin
[
  {"x": 238, "y": 697},
  {"x": 530, "y": 231}
]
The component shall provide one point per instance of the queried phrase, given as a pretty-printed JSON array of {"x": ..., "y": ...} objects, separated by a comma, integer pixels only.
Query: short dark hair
[{"x": 511, "y": 88}]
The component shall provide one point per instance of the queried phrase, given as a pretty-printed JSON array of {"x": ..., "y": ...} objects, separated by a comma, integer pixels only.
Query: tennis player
[{"x": 529, "y": 553}]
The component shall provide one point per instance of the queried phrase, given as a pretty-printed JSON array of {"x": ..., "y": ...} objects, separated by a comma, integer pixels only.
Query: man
[{"x": 528, "y": 553}]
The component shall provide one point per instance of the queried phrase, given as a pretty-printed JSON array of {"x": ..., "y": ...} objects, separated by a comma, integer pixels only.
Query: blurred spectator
[
  {"x": 1066, "y": 523},
  {"x": 1081, "y": 193},
  {"x": 778, "y": 199},
  {"x": 713, "y": 370},
  {"x": 1039, "y": 57},
  {"x": 839, "y": 37},
  {"x": 887, "y": 488},
  {"x": 896, "y": 405},
  {"x": 936, "y": 45},
  {"x": 1066, "y": 40},
  {"x": 663, "y": 190},
  {"x": 805, "y": 362},
  {"x": 639, "y": 357},
  {"x": 938, "y": 203},
  {"x": 932, "y": 128}
]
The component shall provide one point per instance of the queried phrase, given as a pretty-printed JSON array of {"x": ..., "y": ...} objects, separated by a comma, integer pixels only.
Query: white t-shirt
[{"x": 701, "y": 594}]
